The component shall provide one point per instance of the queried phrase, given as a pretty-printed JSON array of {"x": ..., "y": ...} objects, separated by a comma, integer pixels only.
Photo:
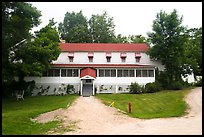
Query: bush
[
  {"x": 70, "y": 89},
  {"x": 176, "y": 85},
  {"x": 29, "y": 86},
  {"x": 135, "y": 88},
  {"x": 143, "y": 89},
  {"x": 198, "y": 83},
  {"x": 152, "y": 87}
]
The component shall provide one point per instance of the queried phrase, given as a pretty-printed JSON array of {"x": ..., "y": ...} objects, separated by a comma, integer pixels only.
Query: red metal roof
[
  {"x": 103, "y": 65},
  {"x": 88, "y": 71},
  {"x": 103, "y": 47}
]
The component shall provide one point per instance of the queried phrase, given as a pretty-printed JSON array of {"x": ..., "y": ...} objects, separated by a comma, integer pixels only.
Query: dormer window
[
  {"x": 71, "y": 56},
  {"x": 123, "y": 56},
  {"x": 108, "y": 56},
  {"x": 137, "y": 57},
  {"x": 90, "y": 56}
]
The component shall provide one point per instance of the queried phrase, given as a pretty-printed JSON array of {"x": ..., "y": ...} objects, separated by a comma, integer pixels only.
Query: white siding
[
  {"x": 100, "y": 58},
  {"x": 123, "y": 80}
]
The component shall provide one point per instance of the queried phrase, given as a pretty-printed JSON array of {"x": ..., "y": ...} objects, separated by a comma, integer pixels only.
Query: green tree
[
  {"x": 35, "y": 56},
  {"x": 131, "y": 39},
  {"x": 168, "y": 40},
  {"x": 23, "y": 55},
  {"x": 121, "y": 39},
  {"x": 102, "y": 28},
  {"x": 137, "y": 39},
  {"x": 74, "y": 28},
  {"x": 18, "y": 18},
  {"x": 193, "y": 50}
]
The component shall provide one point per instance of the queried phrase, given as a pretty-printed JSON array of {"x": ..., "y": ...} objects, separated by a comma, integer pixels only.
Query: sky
[{"x": 130, "y": 18}]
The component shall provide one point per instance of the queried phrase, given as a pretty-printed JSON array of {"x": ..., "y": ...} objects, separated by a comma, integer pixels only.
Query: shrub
[
  {"x": 143, "y": 89},
  {"x": 152, "y": 87},
  {"x": 135, "y": 88},
  {"x": 198, "y": 83},
  {"x": 176, "y": 85},
  {"x": 70, "y": 89},
  {"x": 30, "y": 85}
]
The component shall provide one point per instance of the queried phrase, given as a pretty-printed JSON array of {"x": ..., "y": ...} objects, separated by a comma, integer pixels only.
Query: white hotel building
[{"x": 99, "y": 68}]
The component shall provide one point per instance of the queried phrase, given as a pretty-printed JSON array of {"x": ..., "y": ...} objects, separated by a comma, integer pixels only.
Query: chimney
[{"x": 62, "y": 41}]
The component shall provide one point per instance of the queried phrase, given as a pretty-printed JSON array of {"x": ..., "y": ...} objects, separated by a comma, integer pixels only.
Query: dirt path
[{"x": 93, "y": 117}]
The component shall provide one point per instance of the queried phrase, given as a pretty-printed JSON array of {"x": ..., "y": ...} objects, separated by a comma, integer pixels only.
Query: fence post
[{"x": 130, "y": 107}]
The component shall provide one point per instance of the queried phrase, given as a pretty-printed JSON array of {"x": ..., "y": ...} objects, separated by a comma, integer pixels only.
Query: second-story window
[
  {"x": 71, "y": 56},
  {"x": 123, "y": 56},
  {"x": 123, "y": 59},
  {"x": 108, "y": 56},
  {"x": 90, "y": 59},
  {"x": 90, "y": 56},
  {"x": 71, "y": 59},
  {"x": 137, "y": 57},
  {"x": 108, "y": 59}
]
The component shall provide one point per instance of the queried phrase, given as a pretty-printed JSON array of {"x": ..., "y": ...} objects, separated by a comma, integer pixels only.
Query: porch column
[
  {"x": 93, "y": 88},
  {"x": 81, "y": 87}
]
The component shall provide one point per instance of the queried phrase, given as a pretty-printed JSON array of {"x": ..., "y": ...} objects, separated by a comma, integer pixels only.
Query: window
[
  {"x": 123, "y": 56},
  {"x": 107, "y": 73},
  {"x": 90, "y": 56},
  {"x": 71, "y": 59},
  {"x": 113, "y": 73},
  {"x": 119, "y": 73},
  {"x": 138, "y": 73},
  {"x": 75, "y": 73},
  {"x": 63, "y": 73},
  {"x": 108, "y": 56},
  {"x": 123, "y": 59},
  {"x": 69, "y": 72},
  {"x": 101, "y": 73},
  {"x": 90, "y": 59},
  {"x": 53, "y": 73},
  {"x": 125, "y": 73},
  {"x": 137, "y": 59},
  {"x": 144, "y": 73},
  {"x": 50, "y": 73},
  {"x": 131, "y": 73},
  {"x": 56, "y": 72},
  {"x": 71, "y": 56},
  {"x": 108, "y": 59},
  {"x": 137, "y": 56},
  {"x": 151, "y": 73}
]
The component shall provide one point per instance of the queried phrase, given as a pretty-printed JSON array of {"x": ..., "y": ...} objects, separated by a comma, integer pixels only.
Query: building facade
[{"x": 99, "y": 68}]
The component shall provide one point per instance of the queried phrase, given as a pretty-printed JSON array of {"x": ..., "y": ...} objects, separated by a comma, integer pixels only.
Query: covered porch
[{"x": 87, "y": 77}]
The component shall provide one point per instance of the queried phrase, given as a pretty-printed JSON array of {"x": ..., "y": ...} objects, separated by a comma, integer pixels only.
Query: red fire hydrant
[{"x": 130, "y": 107}]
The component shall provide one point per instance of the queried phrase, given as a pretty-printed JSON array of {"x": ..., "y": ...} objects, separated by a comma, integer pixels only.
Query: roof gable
[{"x": 88, "y": 72}]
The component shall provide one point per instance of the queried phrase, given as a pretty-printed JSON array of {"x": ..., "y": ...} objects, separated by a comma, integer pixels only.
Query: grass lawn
[
  {"x": 151, "y": 105},
  {"x": 16, "y": 114}
]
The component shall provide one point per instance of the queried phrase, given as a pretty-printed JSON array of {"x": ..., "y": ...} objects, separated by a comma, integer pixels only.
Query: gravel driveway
[{"x": 93, "y": 117}]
